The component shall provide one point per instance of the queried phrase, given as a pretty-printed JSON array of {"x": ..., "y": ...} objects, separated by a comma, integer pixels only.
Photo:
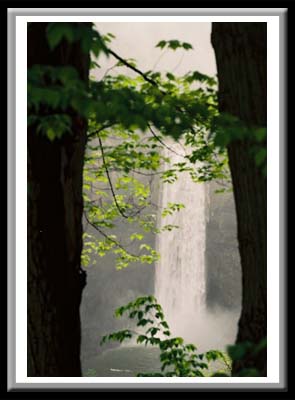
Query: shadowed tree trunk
[
  {"x": 55, "y": 279},
  {"x": 240, "y": 50}
]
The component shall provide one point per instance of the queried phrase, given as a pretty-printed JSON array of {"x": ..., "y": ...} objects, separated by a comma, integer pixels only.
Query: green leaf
[
  {"x": 68, "y": 74},
  {"x": 154, "y": 331},
  {"x": 238, "y": 351},
  {"x": 142, "y": 322},
  {"x": 95, "y": 47},
  {"x": 260, "y": 134},
  {"x": 187, "y": 46},
  {"x": 133, "y": 314},
  {"x": 119, "y": 311},
  {"x": 260, "y": 156},
  {"x": 164, "y": 324},
  {"x": 50, "y": 134},
  {"x": 170, "y": 76},
  {"x": 56, "y": 31},
  {"x": 111, "y": 35},
  {"x": 161, "y": 44},
  {"x": 141, "y": 339},
  {"x": 140, "y": 314},
  {"x": 174, "y": 44}
]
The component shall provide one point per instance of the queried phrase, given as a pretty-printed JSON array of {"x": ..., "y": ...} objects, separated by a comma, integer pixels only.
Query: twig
[
  {"x": 147, "y": 174},
  {"x": 159, "y": 58},
  {"x": 108, "y": 70},
  {"x": 111, "y": 184},
  {"x": 108, "y": 237},
  {"x": 149, "y": 80},
  {"x": 130, "y": 66},
  {"x": 109, "y": 179},
  {"x": 97, "y": 131},
  {"x": 162, "y": 142},
  {"x": 179, "y": 62}
]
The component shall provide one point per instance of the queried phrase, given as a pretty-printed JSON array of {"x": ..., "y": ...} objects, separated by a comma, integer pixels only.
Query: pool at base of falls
[{"x": 123, "y": 361}]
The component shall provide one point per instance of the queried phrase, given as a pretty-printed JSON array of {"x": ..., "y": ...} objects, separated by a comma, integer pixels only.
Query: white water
[
  {"x": 180, "y": 282},
  {"x": 180, "y": 285}
]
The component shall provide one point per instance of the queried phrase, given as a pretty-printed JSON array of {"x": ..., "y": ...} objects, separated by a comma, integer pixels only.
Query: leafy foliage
[
  {"x": 89, "y": 39},
  {"x": 228, "y": 129},
  {"x": 129, "y": 121},
  {"x": 246, "y": 350},
  {"x": 177, "y": 358},
  {"x": 127, "y": 142},
  {"x": 174, "y": 44}
]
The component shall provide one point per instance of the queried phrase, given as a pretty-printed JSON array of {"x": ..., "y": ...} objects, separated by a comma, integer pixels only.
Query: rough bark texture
[
  {"x": 240, "y": 50},
  {"x": 55, "y": 279}
]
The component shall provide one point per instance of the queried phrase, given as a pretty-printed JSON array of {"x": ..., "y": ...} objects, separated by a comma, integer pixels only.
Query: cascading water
[
  {"x": 180, "y": 279},
  {"x": 180, "y": 283}
]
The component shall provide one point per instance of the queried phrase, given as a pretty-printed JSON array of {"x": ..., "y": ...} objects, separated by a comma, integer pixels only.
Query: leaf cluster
[{"x": 177, "y": 358}]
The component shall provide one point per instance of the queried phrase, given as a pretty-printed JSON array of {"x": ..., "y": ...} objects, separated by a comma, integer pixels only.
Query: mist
[{"x": 198, "y": 278}]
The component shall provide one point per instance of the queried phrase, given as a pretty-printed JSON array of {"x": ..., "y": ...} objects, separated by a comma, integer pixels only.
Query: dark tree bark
[
  {"x": 55, "y": 278},
  {"x": 240, "y": 50}
]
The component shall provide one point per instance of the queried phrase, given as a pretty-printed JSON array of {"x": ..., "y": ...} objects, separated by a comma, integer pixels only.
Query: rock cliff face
[{"x": 222, "y": 253}]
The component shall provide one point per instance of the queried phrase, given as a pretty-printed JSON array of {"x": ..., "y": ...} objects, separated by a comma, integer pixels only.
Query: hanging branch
[
  {"x": 112, "y": 187},
  {"x": 108, "y": 70},
  {"x": 162, "y": 142},
  {"x": 149, "y": 80},
  {"x": 108, "y": 237},
  {"x": 109, "y": 179},
  {"x": 130, "y": 66},
  {"x": 159, "y": 58}
]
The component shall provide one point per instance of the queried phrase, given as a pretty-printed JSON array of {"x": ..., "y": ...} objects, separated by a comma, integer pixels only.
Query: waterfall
[{"x": 180, "y": 280}]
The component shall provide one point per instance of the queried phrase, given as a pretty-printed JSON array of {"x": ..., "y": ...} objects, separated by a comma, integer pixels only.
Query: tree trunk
[
  {"x": 240, "y": 50},
  {"x": 55, "y": 279}
]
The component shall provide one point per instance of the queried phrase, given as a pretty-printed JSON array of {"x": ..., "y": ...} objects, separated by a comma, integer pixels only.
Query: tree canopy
[{"x": 129, "y": 120}]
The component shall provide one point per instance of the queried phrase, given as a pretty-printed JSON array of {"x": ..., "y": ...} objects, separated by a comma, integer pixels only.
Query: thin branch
[
  {"x": 151, "y": 81},
  {"x": 159, "y": 58},
  {"x": 109, "y": 179},
  {"x": 111, "y": 184},
  {"x": 130, "y": 66},
  {"x": 223, "y": 183},
  {"x": 147, "y": 174},
  {"x": 157, "y": 206},
  {"x": 179, "y": 62},
  {"x": 108, "y": 237},
  {"x": 122, "y": 169},
  {"x": 108, "y": 70},
  {"x": 97, "y": 131},
  {"x": 162, "y": 142}
]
